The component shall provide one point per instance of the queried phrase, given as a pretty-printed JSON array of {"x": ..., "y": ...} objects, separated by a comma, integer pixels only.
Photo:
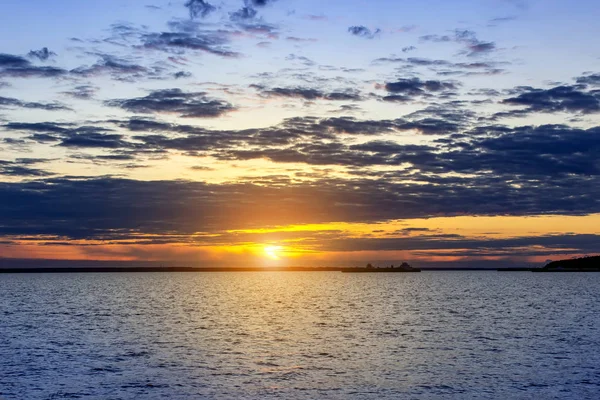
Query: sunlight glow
[{"x": 273, "y": 252}]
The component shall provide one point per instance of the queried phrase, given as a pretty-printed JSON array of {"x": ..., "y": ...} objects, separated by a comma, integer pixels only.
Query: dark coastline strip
[
  {"x": 567, "y": 270},
  {"x": 159, "y": 269}
]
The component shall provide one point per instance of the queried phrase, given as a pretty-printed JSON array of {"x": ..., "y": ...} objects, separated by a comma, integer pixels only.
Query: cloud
[
  {"x": 199, "y": 8},
  {"x": 300, "y": 40},
  {"x": 21, "y": 168},
  {"x": 243, "y": 14},
  {"x": 72, "y": 136},
  {"x": 182, "y": 74},
  {"x": 82, "y": 92},
  {"x": 184, "y": 104},
  {"x": 94, "y": 140},
  {"x": 118, "y": 68},
  {"x": 259, "y": 3},
  {"x": 591, "y": 79},
  {"x": 445, "y": 67},
  {"x": 473, "y": 46},
  {"x": 545, "y": 244},
  {"x": 12, "y": 102},
  {"x": 558, "y": 99},
  {"x": 259, "y": 29},
  {"x": 43, "y": 54},
  {"x": 18, "y": 67},
  {"x": 486, "y": 170},
  {"x": 408, "y": 48},
  {"x": 310, "y": 94},
  {"x": 364, "y": 32},
  {"x": 498, "y": 20},
  {"x": 405, "y": 89},
  {"x": 9, "y": 60},
  {"x": 481, "y": 48},
  {"x": 107, "y": 208},
  {"x": 207, "y": 41}
]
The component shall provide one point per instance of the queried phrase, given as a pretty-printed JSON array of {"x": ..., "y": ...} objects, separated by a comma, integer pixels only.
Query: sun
[{"x": 273, "y": 252}]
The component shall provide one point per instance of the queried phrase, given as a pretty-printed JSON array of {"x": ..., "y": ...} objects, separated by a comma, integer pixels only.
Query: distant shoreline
[
  {"x": 67, "y": 270},
  {"x": 162, "y": 269}
]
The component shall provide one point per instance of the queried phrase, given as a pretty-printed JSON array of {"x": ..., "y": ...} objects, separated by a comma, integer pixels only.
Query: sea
[{"x": 300, "y": 335}]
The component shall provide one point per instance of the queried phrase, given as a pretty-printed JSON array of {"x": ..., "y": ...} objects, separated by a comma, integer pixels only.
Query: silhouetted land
[{"x": 585, "y": 264}]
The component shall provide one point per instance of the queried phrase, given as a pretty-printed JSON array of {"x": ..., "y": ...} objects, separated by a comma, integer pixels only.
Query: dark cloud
[
  {"x": 408, "y": 48},
  {"x": 404, "y": 89},
  {"x": 9, "y": 60},
  {"x": 117, "y": 68},
  {"x": 244, "y": 13},
  {"x": 544, "y": 169},
  {"x": 481, "y": 47},
  {"x": 310, "y": 94},
  {"x": 43, "y": 54},
  {"x": 18, "y": 67},
  {"x": 473, "y": 46},
  {"x": 82, "y": 92},
  {"x": 363, "y": 31},
  {"x": 259, "y": 3},
  {"x": 94, "y": 140},
  {"x": 545, "y": 244},
  {"x": 185, "y": 104},
  {"x": 12, "y": 102},
  {"x": 71, "y": 136},
  {"x": 32, "y": 72},
  {"x": 199, "y": 8},
  {"x": 182, "y": 74},
  {"x": 207, "y": 41},
  {"x": 22, "y": 168},
  {"x": 110, "y": 208},
  {"x": 591, "y": 79},
  {"x": 39, "y": 127},
  {"x": 560, "y": 98}
]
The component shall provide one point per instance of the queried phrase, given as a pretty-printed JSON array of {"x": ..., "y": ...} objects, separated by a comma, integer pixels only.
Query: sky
[{"x": 288, "y": 132}]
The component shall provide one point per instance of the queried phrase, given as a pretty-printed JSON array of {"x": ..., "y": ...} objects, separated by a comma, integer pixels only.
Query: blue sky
[{"x": 386, "y": 117}]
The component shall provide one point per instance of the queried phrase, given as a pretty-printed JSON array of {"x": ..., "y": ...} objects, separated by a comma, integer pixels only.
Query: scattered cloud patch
[
  {"x": 175, "y": 101},
  {"x": 15, "y": 103},
  {"x": 311, "y": 94},
  {"x": 212, "y": 42},
  {"x": 473, "y": 46},
  {"x": 43, "y": 54},
  {"x": 364, "y": 32},
  {"x": 22, "y": 168},
  {"x": 259, "y": 3},
  {"x": 573, "y": 99},
  {"x": 82, "y": 92},
  {"x": 407, "y": 88},
  {"x": 243, "y": 14},
  {"x": 12, "y": 66},
  {"x": 590, "y": 79},
  {"x": 199, "y": 8}
]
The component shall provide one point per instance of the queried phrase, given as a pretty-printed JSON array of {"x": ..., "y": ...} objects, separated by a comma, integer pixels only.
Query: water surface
[{"x": 298, "y": 335}]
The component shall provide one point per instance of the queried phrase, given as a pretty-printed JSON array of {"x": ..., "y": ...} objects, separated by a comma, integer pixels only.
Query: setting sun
[{"x": 273, "y": 252}]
